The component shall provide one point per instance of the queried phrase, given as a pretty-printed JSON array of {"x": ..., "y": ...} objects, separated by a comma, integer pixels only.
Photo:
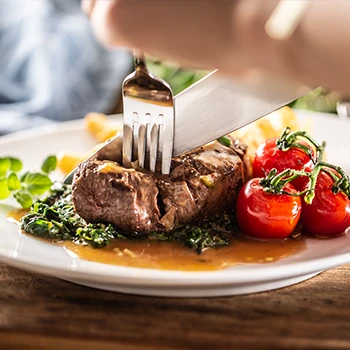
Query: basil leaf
[
  {"x": 24, "y": 199},
  {"x": 16, "y": 164},
  {"x": 5, "y": 164},
  {"x": 4, "y": 190},
  {"x": 49, "y": 164},
  {"x": 13, "y": 182},
  {"x": 37, "y": 183}
]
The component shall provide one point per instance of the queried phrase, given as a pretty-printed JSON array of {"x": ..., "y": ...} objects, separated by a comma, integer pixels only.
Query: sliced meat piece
[
  {"x": 201, "y": 184},
  {"x": 178, "y": 200},
  {"x": 103, "y": 191}
]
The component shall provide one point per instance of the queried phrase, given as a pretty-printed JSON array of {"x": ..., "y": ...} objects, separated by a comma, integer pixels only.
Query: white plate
[{"x": 37, "y": 256}]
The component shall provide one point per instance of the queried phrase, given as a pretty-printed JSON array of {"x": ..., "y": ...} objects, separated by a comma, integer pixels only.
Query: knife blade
[
  {"x": 211, "y": 108},
  {"x": 215, "y": 106}
]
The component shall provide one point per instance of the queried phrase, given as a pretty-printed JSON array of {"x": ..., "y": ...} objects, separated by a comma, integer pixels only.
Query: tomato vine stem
[
  {"x": 289, "y": 139},
  {"x": 341, "y": 180},
  {"x": 274, "y": 182}
]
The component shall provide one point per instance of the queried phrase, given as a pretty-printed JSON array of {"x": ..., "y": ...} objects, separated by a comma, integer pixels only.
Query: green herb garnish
[
  {"x": 24, "y": 199},
  {"x": 49, "y": 164},
  {"x": 193, "y": 237},
  {"x": 5, "y": 164},
  {"x": 16, "y": 164},
  {"x": 13, "y": 182},
  {"x": 4, "y": 190},
  {"x": 25, "y": 186},
  {"x": 224, "y": 140},
  {"x": 54, "y": 217}
]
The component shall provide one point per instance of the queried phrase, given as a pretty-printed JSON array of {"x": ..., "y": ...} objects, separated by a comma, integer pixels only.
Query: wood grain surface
[{"x": 39, "y": 312}]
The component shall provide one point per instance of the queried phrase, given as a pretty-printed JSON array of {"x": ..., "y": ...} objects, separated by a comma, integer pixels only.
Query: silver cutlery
[
  {"x": 148, "y": 130},
  {"x": 211, "y": 108}
]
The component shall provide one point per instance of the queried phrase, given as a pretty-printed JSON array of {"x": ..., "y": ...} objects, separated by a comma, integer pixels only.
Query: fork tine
[
  {"x": 167, "y": 143},
  {"x": 153, "y": 148},
  {"x": 127, "y": 138},
  {"x": 135, "y": 137},
  {"x": 141, "y": 141},
  {"x": 149, "y": 131}
]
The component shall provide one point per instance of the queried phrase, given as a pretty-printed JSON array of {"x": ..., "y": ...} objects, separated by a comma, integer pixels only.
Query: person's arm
[{"x": 230, "y": 35}]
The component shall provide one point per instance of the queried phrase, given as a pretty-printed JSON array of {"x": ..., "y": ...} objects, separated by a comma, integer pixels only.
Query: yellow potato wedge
[
  {"x": 107, "y": 133},
  {"x": 95, "y": 122},
  {"x": 68, "y": 160},
  {"x": 270, "y": 126}
]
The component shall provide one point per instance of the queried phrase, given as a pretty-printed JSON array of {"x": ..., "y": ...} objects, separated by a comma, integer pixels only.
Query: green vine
[{"x": 275, "y": 182}]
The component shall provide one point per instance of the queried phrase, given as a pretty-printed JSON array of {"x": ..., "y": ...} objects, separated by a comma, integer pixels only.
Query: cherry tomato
[
  {"x": 264, "y": 215},
  {"x": 329, "y": 214},
  {"x": 268, "y": 157}
]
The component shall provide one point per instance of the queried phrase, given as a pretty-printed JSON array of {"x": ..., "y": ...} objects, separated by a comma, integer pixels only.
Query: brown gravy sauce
[
  {"x": 173, "y": 256},
  {"x": 16, "y": 215}
]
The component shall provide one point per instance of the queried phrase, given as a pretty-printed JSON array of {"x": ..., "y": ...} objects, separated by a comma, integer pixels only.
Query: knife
[
  {"x": 211, "y": 108},
  {"x": 215, "y": 106}
]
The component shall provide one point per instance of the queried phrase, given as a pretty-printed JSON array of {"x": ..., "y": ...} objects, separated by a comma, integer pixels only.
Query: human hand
[
  {"x": 230, "y": 35},
  {"x": 200, "y": 33}
]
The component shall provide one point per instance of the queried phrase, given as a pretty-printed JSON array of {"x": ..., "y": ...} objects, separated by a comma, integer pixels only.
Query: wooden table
[{"x": 39, "y": 312}]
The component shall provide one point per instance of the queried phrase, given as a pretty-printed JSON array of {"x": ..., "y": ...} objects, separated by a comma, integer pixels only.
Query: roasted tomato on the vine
[
  {"x": 265, "y": 215},
  {"x": 268, "y": 157},
  {"x": 329, "y": 214}
]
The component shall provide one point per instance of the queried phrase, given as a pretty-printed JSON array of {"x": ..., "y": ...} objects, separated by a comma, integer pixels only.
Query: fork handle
[{"x": 140, "y": 60}]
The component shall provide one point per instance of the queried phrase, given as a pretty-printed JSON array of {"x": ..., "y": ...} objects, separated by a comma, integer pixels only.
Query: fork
[{"x": 148, "y": 130}]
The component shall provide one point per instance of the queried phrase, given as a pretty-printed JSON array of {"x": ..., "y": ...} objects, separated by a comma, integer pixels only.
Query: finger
[
  {"x": 224, "y": 34},
  {"x": 88, "y": 6},
  {"x": 187, "y": 31},
  {"x": 105, "y": 21},
  {"x": 193, "y": 32}
]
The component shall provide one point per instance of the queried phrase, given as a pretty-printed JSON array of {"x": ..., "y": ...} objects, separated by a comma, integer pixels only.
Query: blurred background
[
  {"x": 320, "y": 100},
  {"x": 52, "y": 68}
]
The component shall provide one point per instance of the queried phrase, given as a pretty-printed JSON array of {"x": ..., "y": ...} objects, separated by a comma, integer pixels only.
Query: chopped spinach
[
  {"x": 54, "y": 217},
  {"x": 193, "y": 237},
  {"x": 211, "y": 233}
]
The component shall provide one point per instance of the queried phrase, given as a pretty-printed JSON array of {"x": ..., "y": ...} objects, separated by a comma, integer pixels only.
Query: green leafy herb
[
  {"x": 26, "y": 185},
  {"x": 37, "y": 183},
  {"x": 211, "y": 233},
  {"x": 97, "y": 235},
  {"x": 224, "y": 140},
  {"x": 13, "y": 182},
  {"x": 24, "y": 199},
  {"x": 49, "y": 164},
  {"x": 194, "y": 237},
  {"x": 4, "y": 191},
  {"x": 16, "y": 165},
  {"x": 54, "y": 217},
  {"x": 200, "y": 239},
  {"x": 5, "y": 164}
]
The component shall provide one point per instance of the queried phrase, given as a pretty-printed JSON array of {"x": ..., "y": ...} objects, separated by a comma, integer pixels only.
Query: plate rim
[{"x": 153, "y": 277}]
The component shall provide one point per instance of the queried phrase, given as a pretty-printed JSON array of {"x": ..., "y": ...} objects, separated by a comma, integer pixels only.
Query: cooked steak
[
  {"x": 103, "y": 191},
  {"x": 201, "y": 183}
]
